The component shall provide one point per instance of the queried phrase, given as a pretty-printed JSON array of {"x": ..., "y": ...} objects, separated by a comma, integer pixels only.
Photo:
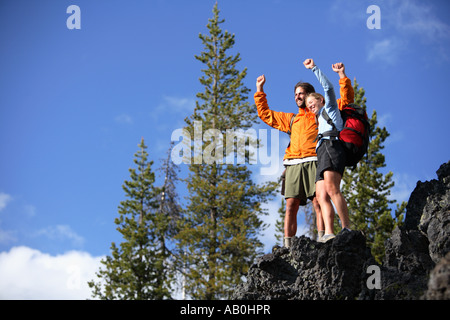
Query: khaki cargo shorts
[{"x": 300, "y": 181}]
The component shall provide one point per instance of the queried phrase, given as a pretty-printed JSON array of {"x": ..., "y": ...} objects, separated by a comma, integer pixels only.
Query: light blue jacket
[{"x": 330, "y": 106}]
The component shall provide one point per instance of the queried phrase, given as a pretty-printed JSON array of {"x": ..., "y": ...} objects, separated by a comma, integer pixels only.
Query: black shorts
[{"x": 330, "y": 156}]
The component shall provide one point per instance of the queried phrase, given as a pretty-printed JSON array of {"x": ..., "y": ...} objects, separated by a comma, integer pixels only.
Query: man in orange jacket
[{"x": 300, "y": 157}]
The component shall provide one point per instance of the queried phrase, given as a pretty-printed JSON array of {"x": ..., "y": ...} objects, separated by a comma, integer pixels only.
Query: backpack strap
[
  {"x": 290, "y": 125},
  {"x": 328, "y": 119},
  {"x": 331, "y": 133},
  {"x": 290, "y": 129}
]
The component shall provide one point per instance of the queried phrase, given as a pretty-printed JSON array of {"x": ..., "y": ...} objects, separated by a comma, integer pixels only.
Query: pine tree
[
  {"x": 219, "y": 235},
  {"x": 279, "y": 223},
  {"x": 137, "y": 268},
  {"x": 310, "y": 219},
  {"x": 169, "y": 204},
  {"x": 367, "y": 190}
]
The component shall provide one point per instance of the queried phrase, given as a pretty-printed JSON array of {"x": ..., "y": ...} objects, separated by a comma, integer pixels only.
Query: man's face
[{"x": 300, "y": 95}]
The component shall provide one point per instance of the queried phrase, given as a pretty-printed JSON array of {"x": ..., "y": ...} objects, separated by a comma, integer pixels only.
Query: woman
[{"x": 330, "y": 154}]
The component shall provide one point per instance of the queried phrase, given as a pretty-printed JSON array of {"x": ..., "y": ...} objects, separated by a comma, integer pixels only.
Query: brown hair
[{"x": 306, "y": 86}]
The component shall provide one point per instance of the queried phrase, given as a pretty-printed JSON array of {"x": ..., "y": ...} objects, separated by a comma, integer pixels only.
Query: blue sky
[{"x": 74, "y": 105}]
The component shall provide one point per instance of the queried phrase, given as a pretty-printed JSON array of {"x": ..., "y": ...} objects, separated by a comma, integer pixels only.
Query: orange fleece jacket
[{"x": 304, "y": 127}]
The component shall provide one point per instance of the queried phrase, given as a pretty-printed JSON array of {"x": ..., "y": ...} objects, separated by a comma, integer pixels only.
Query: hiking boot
[{"x": 327, "y": 237}]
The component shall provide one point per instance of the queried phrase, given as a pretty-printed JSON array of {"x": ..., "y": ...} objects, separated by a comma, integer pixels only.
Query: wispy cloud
[
  {"x": 124, "y": 119},
  {"x": 7, "y": 237},
  {"x": 174, "y": 108},
  {"x": 404, "y": 186},
  {"x": 4, "y": 200},
  {"x": 61, "y": 233},
  {"x": 30, "y": 210},
  {"x": 387, "y": 50},
  {"x": 420, "y": 20},
  {"x": 386, "y": 120},
  {"x": 411, "y": 22},
  {"x": 177, "y": 104},
  {"x": 404, "y": 23}
]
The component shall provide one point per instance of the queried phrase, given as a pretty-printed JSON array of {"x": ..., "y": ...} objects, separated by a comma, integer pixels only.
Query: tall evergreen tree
[
  {"x": 219, "y": 235},
  {"x": 367, "y": 190},
  {"x": 137, "y": 268}
]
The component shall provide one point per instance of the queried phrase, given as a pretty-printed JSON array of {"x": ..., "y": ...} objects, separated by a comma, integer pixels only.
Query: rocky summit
[{"x": 416, "y": 263}]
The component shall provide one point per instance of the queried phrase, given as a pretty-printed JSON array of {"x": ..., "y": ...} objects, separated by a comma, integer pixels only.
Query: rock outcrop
[
  {"x": 416, "y": 264},
  {"x": 310, "y": 270}
]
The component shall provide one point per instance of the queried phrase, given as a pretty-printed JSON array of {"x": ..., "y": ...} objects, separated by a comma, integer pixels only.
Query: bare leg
[
  {"x": 290, "y": 221},
  {"x": 319, "y": 219},
  {"x": 325, "y": 206},
  {"x": 332, "y": 186}
]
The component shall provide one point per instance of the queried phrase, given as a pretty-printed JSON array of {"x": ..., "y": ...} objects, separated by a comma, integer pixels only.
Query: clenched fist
[
  {"x": 339, "y": 68},
  {"x": 260, "y": 83},
  {"x": 309, "y": 63}
]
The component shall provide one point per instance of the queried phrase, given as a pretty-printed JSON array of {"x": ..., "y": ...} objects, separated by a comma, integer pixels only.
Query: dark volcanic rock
[
  {"x": 310, "y": 270},
  {"x": 428, "y": 211},
  {"x": 439, "y": 283},
  {"x": 338, "y": 269},
  {"x": 414, "y": 249}
]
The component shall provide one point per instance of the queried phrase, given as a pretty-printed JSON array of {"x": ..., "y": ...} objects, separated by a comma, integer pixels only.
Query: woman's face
[{"x": 314, "y": 105}]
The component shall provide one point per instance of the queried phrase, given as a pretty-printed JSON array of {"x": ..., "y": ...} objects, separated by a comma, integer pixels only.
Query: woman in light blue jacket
[{"x": 330, "y": 153}]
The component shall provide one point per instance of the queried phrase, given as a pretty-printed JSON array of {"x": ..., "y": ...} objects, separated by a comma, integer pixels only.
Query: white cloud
[
  {"x": 4, "y": 199},
  {"x": 404, "y": 23},
  {"x": 7, "y": 237},
  {"x": 30, "y": 210},
  {"x": 420, "y": 20},
  {"x": 177, "y": 104},
  {"x": 384, "y": 119},
  {"x": 409, "y": 17},
  {"x": 404, "y": 186},
  {"x": 385, "y": 50},
  {"x": 171, "y": 106},
  {"x": 124, "y": 119},
  {"x": 411, "y": 22},
  {"x": 61, "y": 232},
  {"x": 28, "y": 274}
]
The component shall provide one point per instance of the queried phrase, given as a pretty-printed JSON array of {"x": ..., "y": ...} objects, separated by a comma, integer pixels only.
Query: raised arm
[
  {"x": 275, "y": 119},
  {"x": 346, "y": 90},
  {"x": 330, "y": 96},
  {"x": 339, "y": 68}
]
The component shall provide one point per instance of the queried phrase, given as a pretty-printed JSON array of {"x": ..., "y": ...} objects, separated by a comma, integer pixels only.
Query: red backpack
[{"x": 354, "y": 135}]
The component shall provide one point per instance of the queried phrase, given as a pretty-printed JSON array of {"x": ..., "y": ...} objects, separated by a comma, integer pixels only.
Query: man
[{"x": 300, "y": 157}]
